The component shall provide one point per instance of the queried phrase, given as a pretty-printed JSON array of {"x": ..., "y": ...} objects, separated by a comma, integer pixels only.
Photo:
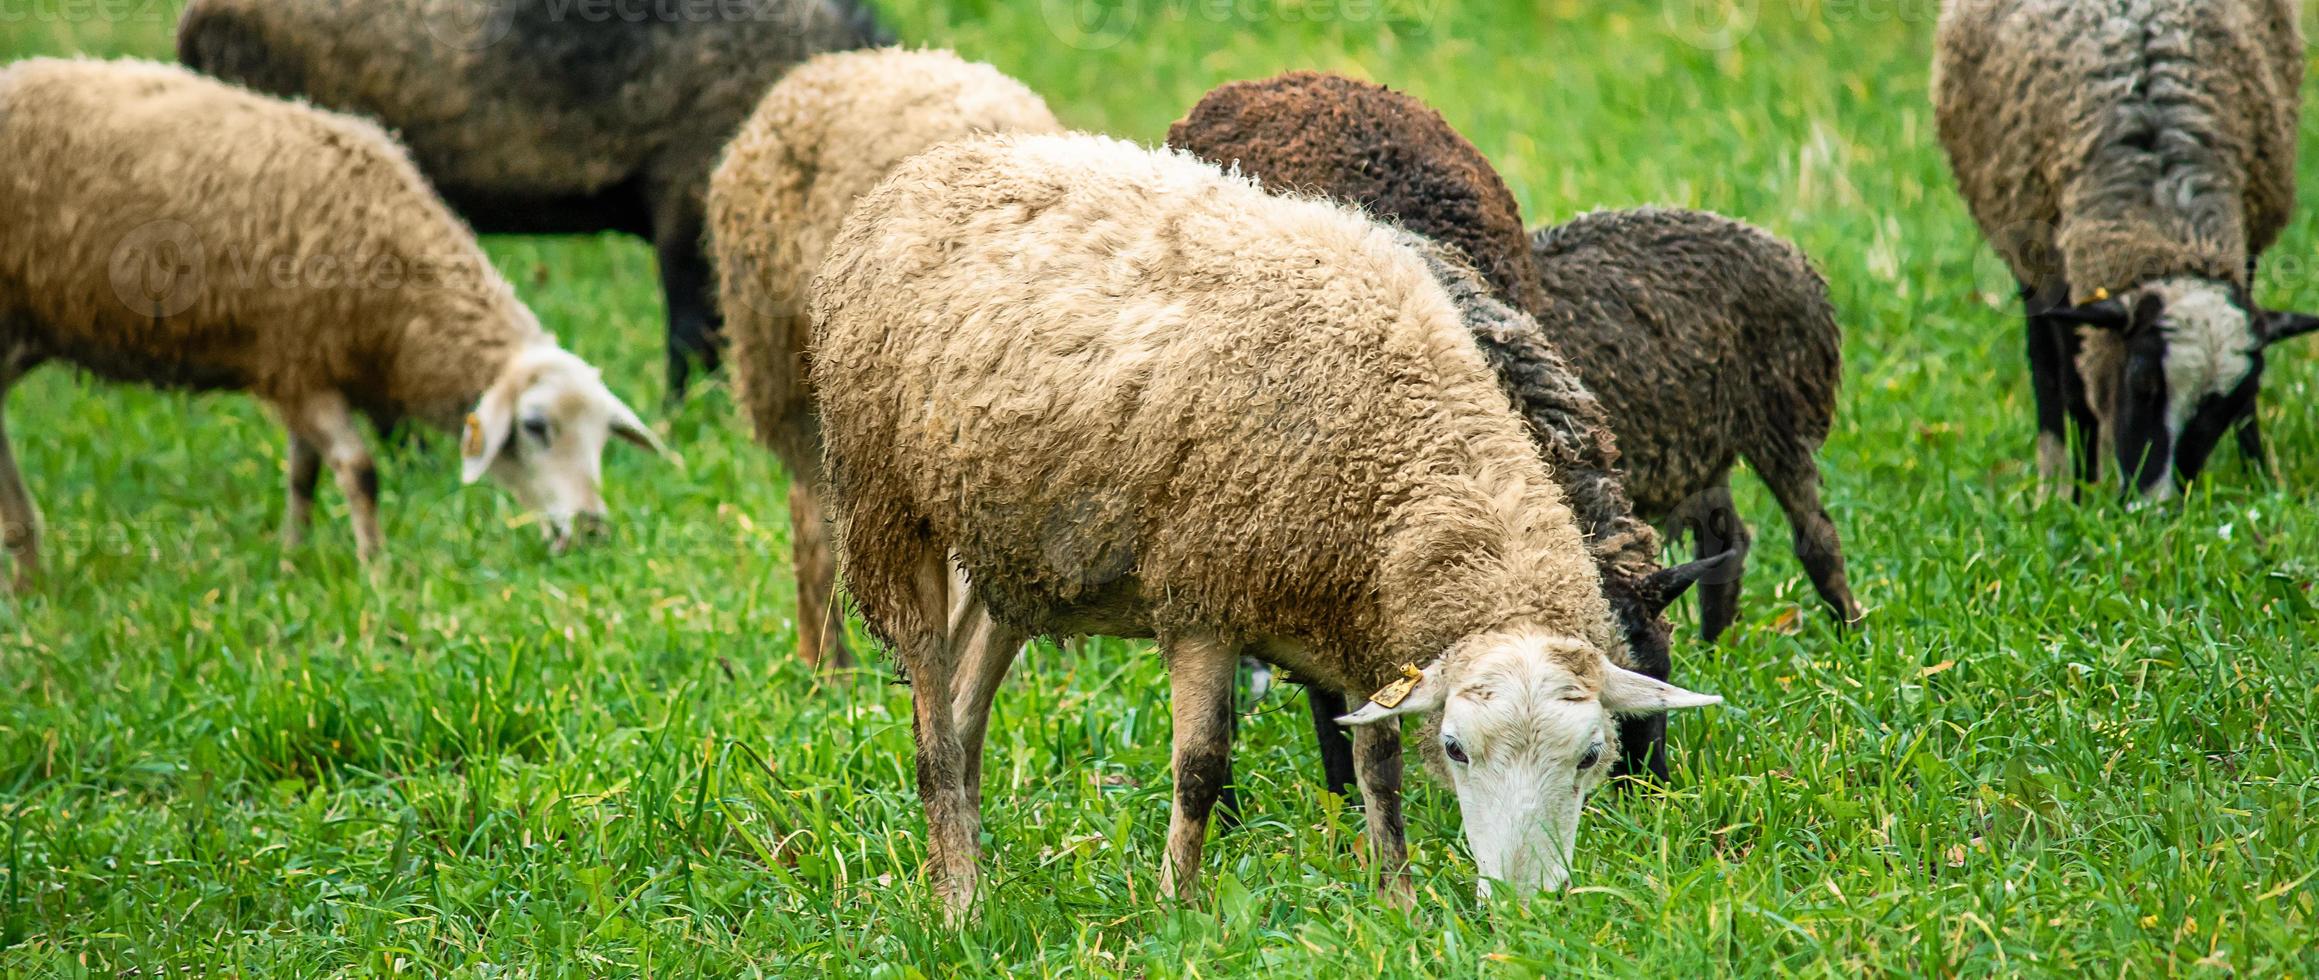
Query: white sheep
[
  {"x": 1131, "y": 395},
  {"x": 169, "y": 229}
]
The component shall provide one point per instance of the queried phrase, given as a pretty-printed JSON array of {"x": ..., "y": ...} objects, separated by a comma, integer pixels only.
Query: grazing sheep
[
  {"x": 1365, "y": 144},
  {"x": 162, "y": 227},
  {"x": 1707, "y": 340},
  {"x": 823, "y": 136},
  {"x": 545, "y": 116},
  {"x": 2130, "y": 160},
  {"x": 1397, "y": 158},
  {"x": 1131, "y": 395}
]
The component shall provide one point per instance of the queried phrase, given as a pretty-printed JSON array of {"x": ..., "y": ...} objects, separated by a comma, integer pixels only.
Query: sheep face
[
  {"x": 1528, "y": 727},
  {"x": 540, "y": 432},
  {"x": 2170, "y": 368}
]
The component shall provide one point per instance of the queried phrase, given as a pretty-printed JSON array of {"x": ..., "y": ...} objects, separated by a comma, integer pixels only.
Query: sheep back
[
  {"x": 162, "y": 227},
  {"x": 2102, "y": 144},
  {"x": 1702, "y": 336},
  {"x": 1365, "y": 144},
  {"x": 823, "y": 136},
  {"x": 1133, "y": 395},
  {"x": 529, "y": 97}
]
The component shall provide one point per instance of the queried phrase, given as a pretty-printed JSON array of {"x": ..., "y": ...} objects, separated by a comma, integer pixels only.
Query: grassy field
[{"x": 2071, "y": 740}]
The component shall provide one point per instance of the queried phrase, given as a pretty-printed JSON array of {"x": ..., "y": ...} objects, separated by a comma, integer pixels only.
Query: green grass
[{"x": 2072, "y": 740}]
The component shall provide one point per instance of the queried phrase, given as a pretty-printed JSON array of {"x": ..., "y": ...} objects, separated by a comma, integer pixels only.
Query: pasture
[{"x": 2070, "y": 740}]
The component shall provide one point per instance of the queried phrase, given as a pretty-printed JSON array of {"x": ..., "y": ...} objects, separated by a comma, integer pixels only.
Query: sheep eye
[
  {"x": 537, "y": 427},
  {"x": 1592, "y": 756},
  {"x": 1455, "y": 751}
]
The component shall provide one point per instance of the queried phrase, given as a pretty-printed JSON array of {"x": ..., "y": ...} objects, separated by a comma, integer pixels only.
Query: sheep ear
[
  {"x": 2108, "y": 314},
  {"x": 1666, "y": 585},
  {"x": 1416, "y": 692},
  {"x": 1628, "y": 693},
  {"x": 627, "y": 426},
  {"x": 486, "y": 432},
  {"x": 2279, "y": 325}
]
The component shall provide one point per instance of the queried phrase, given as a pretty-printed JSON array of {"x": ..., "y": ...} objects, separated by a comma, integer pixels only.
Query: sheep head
[
  {"x": 1528, "y": 727},
  {"x": 540, "y": 432}
]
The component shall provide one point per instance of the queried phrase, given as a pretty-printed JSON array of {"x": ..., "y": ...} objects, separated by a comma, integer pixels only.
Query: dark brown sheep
[{"x": 1707, "y": 340}]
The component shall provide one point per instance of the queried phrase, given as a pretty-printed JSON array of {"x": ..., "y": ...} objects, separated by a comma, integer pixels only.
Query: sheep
[
  {"x": 1396, "y": 157},
  {"x": 546, "y": 116},
  {"x": 1707, "y": 339},
  {"x": 820, "y": 138},
  {"x": 166, "y": 228},
  {"x": 1131, "y": 395},
  {"x": 1365, "y": 144},
  {"x": 2130, "y": 160}
]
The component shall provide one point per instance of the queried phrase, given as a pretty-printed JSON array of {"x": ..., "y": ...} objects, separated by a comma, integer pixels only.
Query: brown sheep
[
  {"x": 169, "y": 229},
  {"x": 545, "y": 116},
  {"x": 2130, "y": 161},
  {"x": 821, "y": 138},
  {"x": 1131, "y": 395}
]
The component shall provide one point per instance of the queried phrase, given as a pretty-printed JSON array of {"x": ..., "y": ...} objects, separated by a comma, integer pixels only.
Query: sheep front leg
[
  {"x": 305, "y": 470},
  {"x": 987, "y": 649},
  {"x": 324, "y": 422},
  {"x": 1377, "y": 760},
  {"x": 19, "y": 519},
  {"x": 1200, "y": 675}
]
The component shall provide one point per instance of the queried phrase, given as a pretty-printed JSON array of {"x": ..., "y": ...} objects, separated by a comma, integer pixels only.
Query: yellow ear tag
[
  {"x": 2100, "y": 294},
  {"x": 472, "y": 443},
  {"x": 1391, "y": 695}
]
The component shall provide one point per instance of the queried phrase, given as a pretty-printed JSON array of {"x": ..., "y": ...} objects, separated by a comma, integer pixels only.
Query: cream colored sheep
[
  {"x": 821, "y": 138},
  {"x": 164, "y": 228},
  {"x": 1132, "y": 395}
]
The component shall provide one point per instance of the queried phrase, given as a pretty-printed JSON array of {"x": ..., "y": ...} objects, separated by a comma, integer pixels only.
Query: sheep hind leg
[
  {"x": 304, "y": 470},
  {"x": 1715, "y": 528},
  {"x": 1795, "y": 479},
  {"x": 916, "y": 617},
  {"x": 986, "y": 649},
  {"x": 1377, "y": 758},
  {"x": 19, "y": 517},
  {"x": 325, "y": 423},
  {"x": 1201, "y": 672},
  {"x": 820, "y": 623}
]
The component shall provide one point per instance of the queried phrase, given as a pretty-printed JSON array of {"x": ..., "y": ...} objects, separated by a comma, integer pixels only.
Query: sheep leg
[
  {"x": 1336, "y": 744},
  {"x": 953, "y": 817},
  {"x": 19, "y": 518},
  {"x": 305, "y": 470},
  {"x": 2250, "y": 446},
  {"x": 1377, "y": 758},
  {"x": 1715, "y": 528},
  {"x": 2048, "y": 371},
  {"x": 1795, "y": 479},
  {"x": 820, "y": 626},
  {"x": 1201, "y": 670},
  {"x": 689, "y": 289},
  {"x": 325, "y": 422},
  {"x": 987, "y": 650}
]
